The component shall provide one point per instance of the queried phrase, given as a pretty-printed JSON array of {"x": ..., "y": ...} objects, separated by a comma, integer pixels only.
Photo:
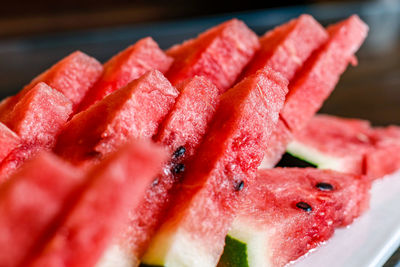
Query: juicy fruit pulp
[
  {"x": 72, "y": 76},
  {"x": 29, "y": 204},
  {"x": 219, "y": 54},
  {"x": 287, "y": 47},
  {"x": 37, "y": 119},
  {"x": 290, "y": 211},
  {"x": 204, "y": 205},
  {"x": 127, "y": 66},
  {"x": 91, "y": 220},
  {"x": 134, "y": 111},
  {"x": 181, "y": 132},
  {"x": 39, "y": 115}
]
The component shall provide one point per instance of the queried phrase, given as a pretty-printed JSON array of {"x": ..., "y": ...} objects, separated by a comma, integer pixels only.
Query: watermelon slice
[
  {"x": 318, "y": 77},
  {"x": 335, "y": 143},
  {"x": 181, "y": 132},
  {"x": 287, "y": 47},
  {"x": 91, "y": 220},
  {"x": 348, "y": 145},
  {"x": 204, "y": 205},
  {"x": 8, "y": 141},
  {"x": 30, "y": 202},
  {"x": 313, "y": 83},
  {"x": 37, "y": 118},
  {"x": 39, "y": 115},
  {"x": 72, "y": 76},
  {"x": 127, "y": 66},
  {"x": 219, "y": 54},
  {"x": 290, "y": 211},
  {"x": 134, "y": 111}
]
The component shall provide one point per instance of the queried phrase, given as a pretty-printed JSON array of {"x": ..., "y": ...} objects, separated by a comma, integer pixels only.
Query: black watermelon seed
[
  {"x": 179, "y": 152},
  {"x": 239, "y": 186},
  {"x": 324, "y": 186},
  {"x": 178, "y": 168},
  {"x": 304, "y": 206}
]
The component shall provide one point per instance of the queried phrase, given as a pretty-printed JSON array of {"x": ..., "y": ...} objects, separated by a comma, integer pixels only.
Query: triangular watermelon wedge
[
  {"x": 39, "y": 115},
  {"x": 93, "y": 218},
  {"x": 134, "y": 111},
  {"x": 30, "y": 201},
  {"x": 317, "y": 78},
  {"x": 127, "y": 66},
  {"x": 181, "y": 132},
  {"x": 219, "y": 54},
  {"x": 37, "y": 118},
  {"x": 226, "y": 161},
  {"x": 290, "y": 211},
  {"x": 320, "y": 74},
  {"x": 288, "y": 46},
  {"x": 72, "y": 76}
]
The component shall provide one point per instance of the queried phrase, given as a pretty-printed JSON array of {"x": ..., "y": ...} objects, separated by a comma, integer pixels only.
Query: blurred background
[{"x": 35, "y": 34}]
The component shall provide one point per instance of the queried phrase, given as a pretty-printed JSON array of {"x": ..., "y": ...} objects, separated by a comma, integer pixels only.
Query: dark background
[{"x": 32, "y": 17}]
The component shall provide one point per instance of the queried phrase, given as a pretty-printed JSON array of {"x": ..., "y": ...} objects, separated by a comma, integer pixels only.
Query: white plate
[{"x": 371, "y": 239}]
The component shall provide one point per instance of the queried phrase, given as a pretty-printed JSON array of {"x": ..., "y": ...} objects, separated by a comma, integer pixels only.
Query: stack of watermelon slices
[{"x": 228, "y": 99}]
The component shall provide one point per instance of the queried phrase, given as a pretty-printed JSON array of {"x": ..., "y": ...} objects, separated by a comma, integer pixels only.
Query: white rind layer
[
  {"x": 258, "y": 251},
  {"x": 177, "y": 249},
  {"x": 115, "y": 256},
  {"x": 316, "y": 157}
]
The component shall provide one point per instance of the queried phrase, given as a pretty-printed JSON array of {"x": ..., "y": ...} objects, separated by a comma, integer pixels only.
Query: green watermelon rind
[
  {"x": 235, "y": 253},
  {"x": 251, "y": 244},
  {"x": 313, "y": 156}
]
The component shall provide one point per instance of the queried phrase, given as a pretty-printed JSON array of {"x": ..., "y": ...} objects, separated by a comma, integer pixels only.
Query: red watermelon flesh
[
  {"x": 39, "y": 115},
  {"x": 37, "y": 118},
  {"x": 385, "y": 157},
  {"x": 30, "y": 201},
  {"x": 72, "y": 76},
  {"x": 91, "y": 220},
  {"x": 219, "y": 54},
  {"x": 287, "y": 47},
  {"x": 204, "y": 205},
  {"x": 181, "y": 132},
  {"x": 276, "y": 145},
  {"x": 321, "y": 72},
  {"x": 134, "y": 111},
  {"x": 8, "y": 141},
  {"x": 17, "y": 158},
  {"x": 294, "y": 209},
  {"x": 127, "y": 66}
]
